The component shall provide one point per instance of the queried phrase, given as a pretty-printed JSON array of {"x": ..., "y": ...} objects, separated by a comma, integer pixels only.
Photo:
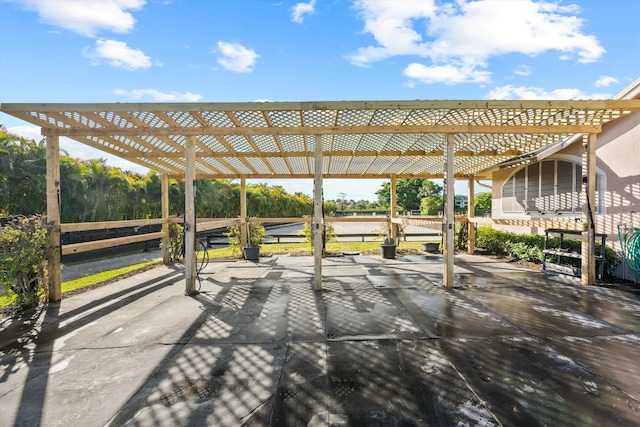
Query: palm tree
[
  {"x": 98, "y": 187},
  {"x": 73, "y": 189}
]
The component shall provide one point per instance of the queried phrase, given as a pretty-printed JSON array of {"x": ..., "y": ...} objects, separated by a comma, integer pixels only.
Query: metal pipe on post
[
  {"x": 165, "y": 242},
  {"x": 53, "y": 217},
  {"x": 190, "y": 217},
  {"x": 243, "y": 211},
  {"x": 448, "y": 220},
  {"x": 471, "y": 226},
  {"x": 394, "y": 209},
  {"x": 588, "y": 263},
  {"x": 318, "y": 220}
]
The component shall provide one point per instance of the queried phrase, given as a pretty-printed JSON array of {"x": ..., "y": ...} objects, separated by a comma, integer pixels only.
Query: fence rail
[{"x": 297, "y": 238}]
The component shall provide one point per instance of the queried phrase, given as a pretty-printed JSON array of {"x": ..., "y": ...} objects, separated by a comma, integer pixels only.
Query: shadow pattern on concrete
[{"x": 384, "y": 344}]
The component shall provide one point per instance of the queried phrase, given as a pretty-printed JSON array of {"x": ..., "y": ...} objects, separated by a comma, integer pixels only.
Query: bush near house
[{"x": 529, "y": 247}]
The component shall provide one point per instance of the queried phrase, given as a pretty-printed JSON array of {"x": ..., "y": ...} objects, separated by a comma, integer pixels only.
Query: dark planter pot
[
  {"x": 388, "y": 251},
  {"x": 431, "y": 247},
  {"x": 252, "y": 253}
]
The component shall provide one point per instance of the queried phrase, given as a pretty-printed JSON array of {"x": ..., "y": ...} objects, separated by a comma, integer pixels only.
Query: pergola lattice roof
[{"x": 360, "y": 139}]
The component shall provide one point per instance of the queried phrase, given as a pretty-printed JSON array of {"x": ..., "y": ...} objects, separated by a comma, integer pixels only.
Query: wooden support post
[
  {"x": 394, "y": 209},
  {"x": 318, "y": 220},
  {"x": 53, "y": 217},
  {"x": 243, "y": 211},
  {"x": 190, "y": 217},
  {"x": 588, "y": 263},
  {"x": 448, "y": 220},
  {"x": 165, "y": 218},
  {"x": 471, "y": 207}
]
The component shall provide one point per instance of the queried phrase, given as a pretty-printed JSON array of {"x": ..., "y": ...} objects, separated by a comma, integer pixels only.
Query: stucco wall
[{"x": 618, "y": 159}]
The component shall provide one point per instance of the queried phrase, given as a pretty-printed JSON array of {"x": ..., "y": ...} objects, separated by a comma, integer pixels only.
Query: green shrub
[
  {"x": 521, "y": 250},
  {"x": 492, "y": 240},
  {"x": 461, "y": 238},
  {"x": 24, "y": 249},
  {"x": 529, "y": 247},
  {"x": 176, "y": 242},
  {"x": 256, "y": 236},
  {"x": 611, "y": 260},
  {"x": 328, "y": 236}
]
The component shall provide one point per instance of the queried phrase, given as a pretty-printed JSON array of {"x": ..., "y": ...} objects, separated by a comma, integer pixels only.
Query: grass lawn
[
  {"x": 301, "y": 248},
  {"x": 8, "y": 297}
]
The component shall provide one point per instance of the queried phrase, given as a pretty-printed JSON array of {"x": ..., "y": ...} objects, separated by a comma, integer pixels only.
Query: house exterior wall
[
  {"x": 617, "y": 163},
  {"x": 461, "y": 201}
]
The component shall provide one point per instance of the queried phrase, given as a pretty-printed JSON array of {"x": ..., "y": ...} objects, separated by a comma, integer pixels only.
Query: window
[{"x": 548, "y": 187}]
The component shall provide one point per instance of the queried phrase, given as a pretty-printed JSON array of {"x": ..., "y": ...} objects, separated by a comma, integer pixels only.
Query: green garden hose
[{"x": 630, "y": 244}]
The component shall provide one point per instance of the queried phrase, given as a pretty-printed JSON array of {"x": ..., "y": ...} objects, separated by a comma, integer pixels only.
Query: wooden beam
[
  {"x": 138, "y": 107},
  {"x": 448, "y": 220},
  {"x": 327, "y": 130},
  {"x": 318, "y": 224},
  {"x": 53, "y": 218},
  {"x": 158, "y": 154},
  {"x": 190, "y": 218},
  {"x": 210, "y": 224},
  {"x": 325, "y": 176},
  {"x": 281, "y": 219},
  {"x": 104, "y": 225},
  {"x": 75, "y": 248}
]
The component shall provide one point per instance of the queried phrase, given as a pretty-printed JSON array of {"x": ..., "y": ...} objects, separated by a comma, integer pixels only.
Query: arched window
[{"x": 549, "y": 187}]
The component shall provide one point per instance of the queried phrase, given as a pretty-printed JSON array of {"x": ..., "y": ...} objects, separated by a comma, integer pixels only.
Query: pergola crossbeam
[{"x": 331, "y": 130}]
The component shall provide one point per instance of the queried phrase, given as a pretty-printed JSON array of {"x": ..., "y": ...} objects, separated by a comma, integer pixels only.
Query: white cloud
[
  {"x": 235, "y": 57},
  {"x": 158, "y": 95},
  {"x": 482, "y": 28},
  {"x": 118, "y": 54},
  {"x": 536, "y": 93},
  {"x": 605, "y": 81},
  {"x": 300, "y": 9},
  {"x": 468, "y": 33},
  {"x": 391, "y": 24},
  {"x": 27, "y": 132},
  {"x": 87, "y": 17},
  {"x": 523, "y": 70},
  {"x": 448, "y": 74}
]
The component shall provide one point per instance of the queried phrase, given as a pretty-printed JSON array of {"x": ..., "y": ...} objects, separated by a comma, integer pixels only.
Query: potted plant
[
  {"x": 388, "y": 246},
  {"x": 255, "y": 237},
  {"x": 431, "y": 247}
]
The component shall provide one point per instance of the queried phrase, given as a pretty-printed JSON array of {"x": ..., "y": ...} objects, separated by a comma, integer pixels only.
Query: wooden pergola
[{"x": 345, "y": 139}]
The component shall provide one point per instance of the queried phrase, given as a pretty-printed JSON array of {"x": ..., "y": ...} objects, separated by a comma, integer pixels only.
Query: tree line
[
  {"x": 91, "y": 190},
  {"x": 427, "y": 197}
]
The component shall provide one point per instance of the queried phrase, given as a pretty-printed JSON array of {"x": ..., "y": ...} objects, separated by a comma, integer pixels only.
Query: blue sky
[{"x": 318, "y": 50}]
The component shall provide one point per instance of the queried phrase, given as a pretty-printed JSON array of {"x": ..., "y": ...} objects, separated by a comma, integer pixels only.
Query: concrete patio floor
[{"x": 384, "y": 344}]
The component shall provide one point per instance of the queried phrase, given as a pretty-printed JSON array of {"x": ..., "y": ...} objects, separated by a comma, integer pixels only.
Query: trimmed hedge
[{"x": 529, "y": 247}]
